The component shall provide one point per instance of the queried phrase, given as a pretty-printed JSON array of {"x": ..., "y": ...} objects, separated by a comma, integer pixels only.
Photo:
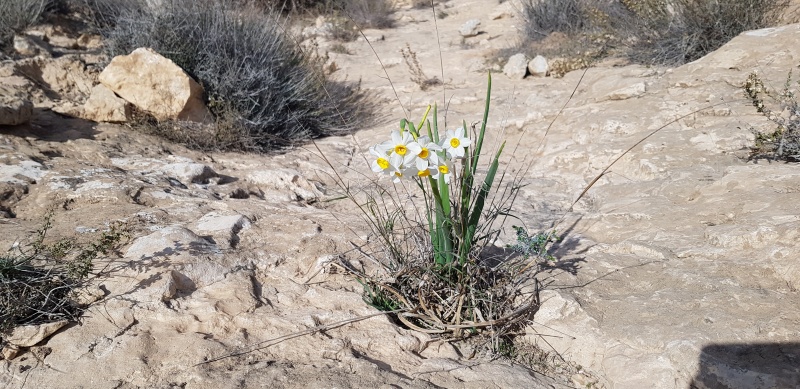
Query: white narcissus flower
[
  {"x": 404, "y": 144},
  {"x": 427, "y": 155},
  {"x": 446, "y": 169},
  {"x": 381, "y": 162},
  {"x": 455, "y": 142},
  {"x": 401, "y": 167},
  {"x": 430, "y": 171}
]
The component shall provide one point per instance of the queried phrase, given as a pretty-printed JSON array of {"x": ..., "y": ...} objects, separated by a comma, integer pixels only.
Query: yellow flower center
[
  {"x": 398, "y": 174},
  {"x": 384, "y": 164},
  {"x": 424, "y": 173},
  {"x": 454, "y": 142},
  {"x": 424, "y": 153},
  {"x": 443, "y": 169},
  {"x": 400, "y": 149}
]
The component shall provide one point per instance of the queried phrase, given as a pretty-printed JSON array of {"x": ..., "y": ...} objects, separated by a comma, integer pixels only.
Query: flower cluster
[{"x": 408, "y": 156}]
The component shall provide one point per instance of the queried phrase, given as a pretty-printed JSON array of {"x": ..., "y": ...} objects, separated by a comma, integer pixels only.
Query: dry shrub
[
  {"x": 365, "y": 13},
  {"x": 277, "y": 94},
  {"x": 669, "y": 32},
  {"x": 371, "y": 13},
  {"x": 574, "y": 34},
  {"x": 685, "y": 30},
  {"x": 17, "y": 15},
  {"x": 424, "y": 3},
  {"x": 415, "y": 69}
]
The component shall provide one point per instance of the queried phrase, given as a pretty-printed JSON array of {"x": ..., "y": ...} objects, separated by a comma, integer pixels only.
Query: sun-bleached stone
[
  {"x": 516, "y": 67},
  {"x": 157, "y": 85},
  {"x": 105, "y": 106}
]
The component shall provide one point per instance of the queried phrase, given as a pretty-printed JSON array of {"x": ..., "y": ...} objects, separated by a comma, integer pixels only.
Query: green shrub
[
  {"x": 250, "y": 69},
  {"x": 782, "y": 109}
]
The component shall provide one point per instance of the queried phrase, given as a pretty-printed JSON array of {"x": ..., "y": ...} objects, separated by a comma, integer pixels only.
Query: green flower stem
[{"x": 441, "y": 234}]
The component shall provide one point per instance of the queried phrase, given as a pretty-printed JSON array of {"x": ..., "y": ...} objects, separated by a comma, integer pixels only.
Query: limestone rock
[
  {"x": 287, "y": 180},
  {"x": 9, "y": 352},
  {"x": 470, "y": 28},
  {"x": 223, "y": 227},
  {"x": 15, "y": 111},
  {"x": 104, "y": 106},
  {"x": 156, "y": 85},
  {"x": 89, "y": 41},
  {"x": 15, "y": 107},
  {"x": 516, "y": 67},
  {"x": 168, "y": 241},
  {"x": 174, "y": 285},
  {"x": 628, "y": 92},
  {"x": 10, "y": 194},
  {"x": 188, "y": 172},
  {"x": 501, "y": 14},
  {"x": 28, "y": 47},
  {"x": 23, "y": 172},
  {"x": 27, "y": 336},
  {"x": 67, "y": 77},
  {"x": 538, "y": 66}
]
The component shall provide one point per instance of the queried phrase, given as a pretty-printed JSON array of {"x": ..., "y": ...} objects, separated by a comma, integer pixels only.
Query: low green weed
[
  {"x": 39, "y": 281},
  {"x": 780, "y": 107}
]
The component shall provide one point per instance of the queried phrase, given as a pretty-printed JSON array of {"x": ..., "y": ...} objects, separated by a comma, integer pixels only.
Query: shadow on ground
[
  {"x": 749, "y": 366},
  {"x": 53, "y": 127}
]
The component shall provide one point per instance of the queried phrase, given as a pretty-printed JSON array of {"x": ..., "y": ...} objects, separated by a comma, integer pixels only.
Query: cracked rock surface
[{"x": 679, "y": 267}]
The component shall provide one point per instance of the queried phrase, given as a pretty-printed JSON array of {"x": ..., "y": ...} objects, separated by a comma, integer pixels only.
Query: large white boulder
[{"x": 157, "y": 85}]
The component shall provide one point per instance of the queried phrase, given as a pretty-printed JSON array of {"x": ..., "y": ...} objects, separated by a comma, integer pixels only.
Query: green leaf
[
  {"x": 479, "y": 142},
  {"x": 477, "y": 209}
]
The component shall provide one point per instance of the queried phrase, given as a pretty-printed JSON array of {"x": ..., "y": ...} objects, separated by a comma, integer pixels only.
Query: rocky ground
[{"x": 679, "y": 267}]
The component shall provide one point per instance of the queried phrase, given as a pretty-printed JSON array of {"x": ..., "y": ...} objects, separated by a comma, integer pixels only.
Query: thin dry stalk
[{"x": 417, "y": 74}]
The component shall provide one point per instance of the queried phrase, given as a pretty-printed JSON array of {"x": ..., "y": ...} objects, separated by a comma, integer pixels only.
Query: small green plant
[
  {"x": 39, "y": 281},
  {"x": 533, "y": 246},
  {"x": 780, "y": 108}
]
